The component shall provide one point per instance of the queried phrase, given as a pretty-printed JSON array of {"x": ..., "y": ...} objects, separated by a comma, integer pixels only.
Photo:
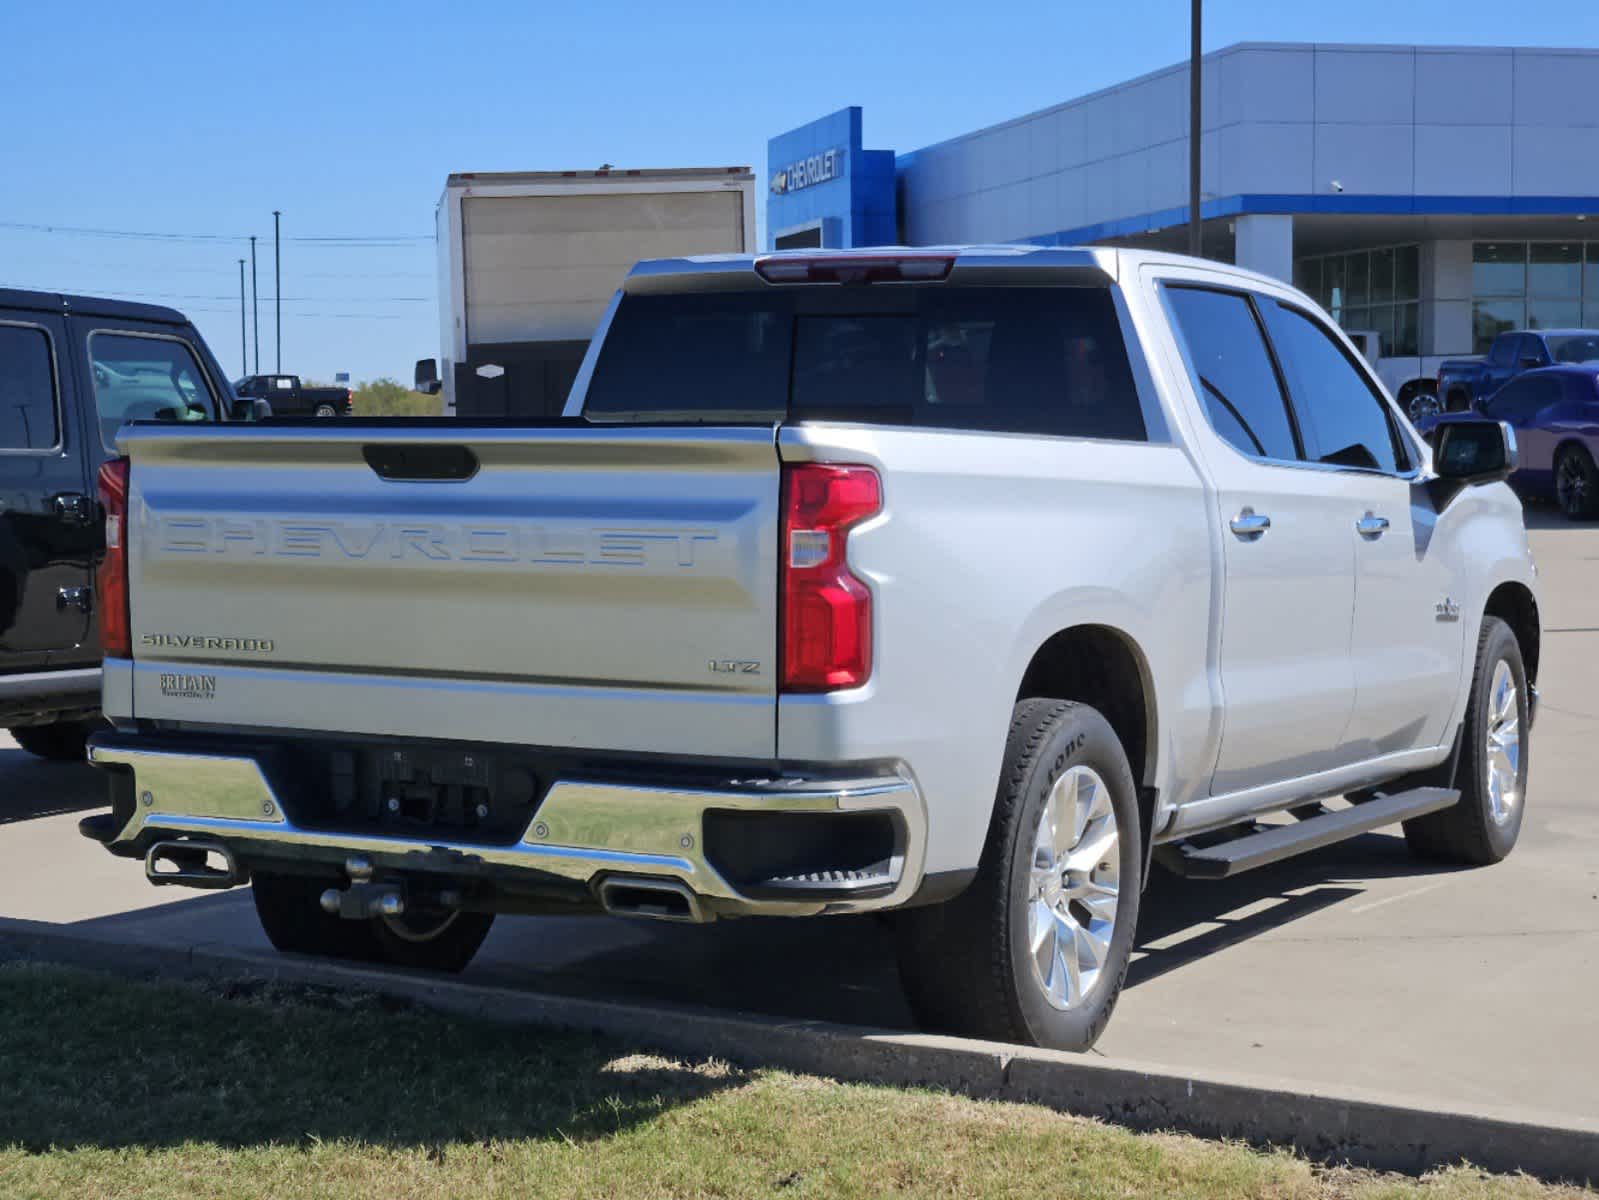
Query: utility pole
[
  {"x": 1195, "y": 93},
  {"x": 277, "y": 282},
  {"x": 244, "y": 346},
  {"x": 255, "y": 307}
]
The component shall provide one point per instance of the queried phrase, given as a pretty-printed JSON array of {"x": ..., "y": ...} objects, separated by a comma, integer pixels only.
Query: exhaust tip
[
  {"x": 189, "y": 864},
  {"x": 652, "y": 899}
]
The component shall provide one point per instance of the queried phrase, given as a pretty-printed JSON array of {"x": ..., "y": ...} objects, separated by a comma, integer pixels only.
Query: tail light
[
  {"x": 827, "y": 610},
  {"x": 854, "y": 268},
  {"x": 111, "y": 578}
]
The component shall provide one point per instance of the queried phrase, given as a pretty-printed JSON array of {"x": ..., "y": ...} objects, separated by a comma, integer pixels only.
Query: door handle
[
  {"x": 73, "y": 507},
  {"x": 1372, "y": 526},
  {"x": 1249, "y": 523}
]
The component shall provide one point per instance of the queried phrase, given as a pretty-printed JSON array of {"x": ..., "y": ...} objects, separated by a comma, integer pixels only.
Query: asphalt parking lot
[{"x": 1353, "y": 967}]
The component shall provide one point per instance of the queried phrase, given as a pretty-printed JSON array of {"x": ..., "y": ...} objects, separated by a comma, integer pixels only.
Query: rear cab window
[
  {"x": 146, "y": 377},
  {"x": 1047, "y": 360}
]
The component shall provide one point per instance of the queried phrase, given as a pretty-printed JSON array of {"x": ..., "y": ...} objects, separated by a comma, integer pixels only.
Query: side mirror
[
  {"x": 1474, "y": 452},
  {"x": 248, "y": 409},
  {"x": 427, "y": 377}
]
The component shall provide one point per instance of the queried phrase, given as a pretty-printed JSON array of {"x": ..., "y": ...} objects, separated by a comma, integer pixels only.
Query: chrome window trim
[
  {"x": 55, "y": 383},
  {"x": 111, "y": 331}
]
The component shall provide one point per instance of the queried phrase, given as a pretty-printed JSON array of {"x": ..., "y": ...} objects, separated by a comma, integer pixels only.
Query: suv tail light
[
  {"x": 111, "y": 577},
  {"x": 827, "y": 610}
]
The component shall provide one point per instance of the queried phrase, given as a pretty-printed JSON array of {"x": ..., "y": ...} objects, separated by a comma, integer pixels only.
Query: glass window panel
[
  {"x": 1307, "y": 277},
  {"x": 1407, "y": 273},
  {"x": 1543, "y": 313},
  {"x": 27, "y": 393},
  {"x": 1499, "y": 269},
  {"x": 1555, "y": 269},
  {"x": 1382, "y": 276},
  {"x": 1332, "y": 285},
  {"x": 1382, "y": 320},
  {"x": 1590, "y": 313},
  {"x": 1355, "y": 319},
  {"x": 1357, "y": 278},
  {"x": 1343, "y": 421},
  {"x": 1407, "y": 331},
  {"x": 1233, "y": 374},
  {"x": 145, "y": 379},
  {"x": 1590, "y": 278},
  {"x": 1490, "y": 318}
]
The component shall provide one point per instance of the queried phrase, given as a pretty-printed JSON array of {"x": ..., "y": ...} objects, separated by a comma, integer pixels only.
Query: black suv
[{"x": 72, "y": 370}]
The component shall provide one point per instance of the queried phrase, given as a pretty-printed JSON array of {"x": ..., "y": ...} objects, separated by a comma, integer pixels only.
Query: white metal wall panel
[{"x": 544, "y": 267}]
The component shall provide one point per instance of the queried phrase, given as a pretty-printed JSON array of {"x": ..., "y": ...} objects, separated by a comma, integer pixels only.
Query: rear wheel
[
  {"x": 1422, "y": 404},
  {"x": 325, "y": 410},
  {"x": 1576, "y": 483},
  {"x": 1035, "y": 950},
  {"x": 62, "y": 741},
  {"x": 1492, "y": 776}
]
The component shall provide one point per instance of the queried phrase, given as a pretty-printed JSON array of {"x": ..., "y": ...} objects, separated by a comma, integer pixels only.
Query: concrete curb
[{"x": 1368, "y": 1129}]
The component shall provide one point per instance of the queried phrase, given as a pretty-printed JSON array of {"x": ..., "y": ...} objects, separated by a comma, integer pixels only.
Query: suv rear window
[{"x": 1019, "y": 360}]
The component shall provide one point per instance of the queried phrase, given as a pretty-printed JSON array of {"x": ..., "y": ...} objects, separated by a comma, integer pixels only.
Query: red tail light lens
[
  {"x": 111, "y": 577},
  {"x": 827, "y": 610}
]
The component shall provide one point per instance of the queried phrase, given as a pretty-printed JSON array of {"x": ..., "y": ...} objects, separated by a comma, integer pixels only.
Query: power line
[
  {"x": 332, "y": 241},
  {"x": 120, "y": 292}
]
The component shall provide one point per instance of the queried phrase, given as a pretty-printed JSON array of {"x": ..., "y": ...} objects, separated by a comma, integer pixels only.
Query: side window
[
  {"x": 1503, "y": 352},
  {"x": 144, "y": 379},
  {"x": 1233, "y": 372},
  {"x": 27, "y": 390},
  {"x": 1345, "y": 423},
  {"x": 1532, "y": 348}
]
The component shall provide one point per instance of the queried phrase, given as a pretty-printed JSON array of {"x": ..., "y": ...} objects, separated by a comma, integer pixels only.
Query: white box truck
[{"x": 529, "y": 260}]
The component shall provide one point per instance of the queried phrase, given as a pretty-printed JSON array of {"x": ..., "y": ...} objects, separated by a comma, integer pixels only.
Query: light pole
[
  {"x": 277, "y": 283},
  {"x": 255, "y": 306},
  {"x": 244, "y": 346},
  {"x": 1195, "y": 239}
]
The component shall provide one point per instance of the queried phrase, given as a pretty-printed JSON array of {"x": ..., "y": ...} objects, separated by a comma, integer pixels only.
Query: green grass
[{"x": 113, "y": 1088}]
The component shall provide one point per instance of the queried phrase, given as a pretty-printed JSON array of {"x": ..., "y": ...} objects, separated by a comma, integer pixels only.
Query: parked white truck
[
  {"x": 960, "y": 583},
  {"x": 528, "y": 260}
]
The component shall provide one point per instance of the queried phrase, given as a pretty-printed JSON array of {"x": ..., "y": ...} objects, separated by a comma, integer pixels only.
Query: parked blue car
[
  {"x": 1555, "y": 414},
  {"x": 1464, "y": 381}
]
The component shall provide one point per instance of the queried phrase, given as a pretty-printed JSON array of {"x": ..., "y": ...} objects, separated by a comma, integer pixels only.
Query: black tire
[
  {"x": 432, "y": 941},
  {"x": 967, "y": 964},
  {"x": 1470, "y": 833},
  {"x": 290, "y": 910},
  {"x": 325, "y": 410},
  {"x": 62, "y": 741},
  {"x": 1421, "y": 404},
  {"x": 1576, "y": 484}
]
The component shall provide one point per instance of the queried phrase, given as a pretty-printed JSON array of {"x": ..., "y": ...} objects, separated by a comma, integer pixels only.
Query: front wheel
[
  {"x": 1492, "y": 775},
  {"x": 1036, "y": 949},
  {"x": 1576, "y": 483}
]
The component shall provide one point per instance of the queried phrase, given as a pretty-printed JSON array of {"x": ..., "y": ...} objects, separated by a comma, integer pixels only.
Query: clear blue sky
[{"x": 200, "y": 118}]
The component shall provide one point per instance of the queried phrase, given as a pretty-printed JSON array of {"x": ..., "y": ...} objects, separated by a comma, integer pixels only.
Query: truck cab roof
[{"x": 89, "y": 306}]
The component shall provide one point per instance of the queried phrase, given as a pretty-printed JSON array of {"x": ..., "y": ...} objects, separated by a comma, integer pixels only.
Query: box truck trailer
[{"x": 529, "y": 261}]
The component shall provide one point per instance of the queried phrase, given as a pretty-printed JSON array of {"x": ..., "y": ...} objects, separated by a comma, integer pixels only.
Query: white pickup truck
[{"x": 965, "y": 583}]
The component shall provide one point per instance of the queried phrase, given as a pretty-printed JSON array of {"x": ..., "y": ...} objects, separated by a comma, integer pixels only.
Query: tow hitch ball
[{"x": 363, "y": 899}]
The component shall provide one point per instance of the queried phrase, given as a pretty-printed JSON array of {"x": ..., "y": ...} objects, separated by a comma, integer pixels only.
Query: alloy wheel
[
  {"x": 1074, "y": 887},
  {"x": 1503, "y": 747}
]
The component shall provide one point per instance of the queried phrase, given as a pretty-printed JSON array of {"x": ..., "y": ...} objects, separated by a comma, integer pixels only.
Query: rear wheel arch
[{"x": 1104, "y": 667}]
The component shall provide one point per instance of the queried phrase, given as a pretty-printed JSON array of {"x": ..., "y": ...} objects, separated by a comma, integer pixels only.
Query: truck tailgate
[{"x": 583, "y": 587}]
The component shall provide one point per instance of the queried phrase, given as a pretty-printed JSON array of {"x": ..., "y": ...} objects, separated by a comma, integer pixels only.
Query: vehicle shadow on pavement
[
  {"x": 233, "y": 1064},
  {"x": 1215, "y": 914},
  {"x": 31, "y": 787}
]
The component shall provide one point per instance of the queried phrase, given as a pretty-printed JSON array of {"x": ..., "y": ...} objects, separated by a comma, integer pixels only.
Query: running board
[{"x": 1319, "y": 827}]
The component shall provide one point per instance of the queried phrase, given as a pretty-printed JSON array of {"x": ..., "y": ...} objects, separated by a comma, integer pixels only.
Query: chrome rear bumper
[{"x": 582, "y": 831}]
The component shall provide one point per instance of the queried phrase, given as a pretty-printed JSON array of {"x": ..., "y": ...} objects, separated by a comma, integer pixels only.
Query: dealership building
[{"x": 1435, "y": 195}]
